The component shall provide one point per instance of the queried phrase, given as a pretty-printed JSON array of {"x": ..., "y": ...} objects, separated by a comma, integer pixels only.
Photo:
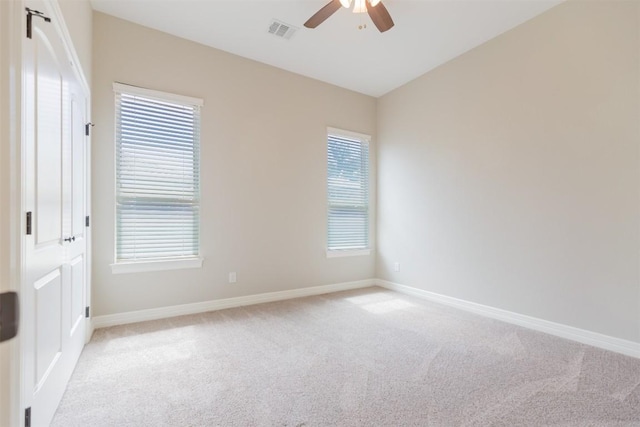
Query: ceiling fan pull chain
[{"x": 363, "y": 24}]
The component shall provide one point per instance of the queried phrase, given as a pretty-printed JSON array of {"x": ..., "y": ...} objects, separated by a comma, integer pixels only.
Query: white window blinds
[
  {"x": 348, "y": 191},
  {"x": 157, "y": 175}
]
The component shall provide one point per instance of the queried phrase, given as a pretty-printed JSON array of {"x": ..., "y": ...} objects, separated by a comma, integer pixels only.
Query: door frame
[
  {"x": 13, "y": 30},
  {"x": 11, "y": 137}
]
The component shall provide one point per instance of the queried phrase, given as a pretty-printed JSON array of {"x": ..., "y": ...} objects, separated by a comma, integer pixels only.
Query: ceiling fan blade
[
  {"x": 380, "y": 16},
  {"x": 323, "y": 14}
]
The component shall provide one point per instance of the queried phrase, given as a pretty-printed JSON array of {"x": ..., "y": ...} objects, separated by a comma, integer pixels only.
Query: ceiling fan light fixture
[
  {"x": 360, "y": 6},
  {"x": 374, "y": 8}
]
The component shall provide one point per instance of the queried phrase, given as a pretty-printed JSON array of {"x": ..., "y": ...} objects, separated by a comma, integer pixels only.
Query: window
[
  {"x": 157, "y": 177},
  {"x": 347, "y": 193}
]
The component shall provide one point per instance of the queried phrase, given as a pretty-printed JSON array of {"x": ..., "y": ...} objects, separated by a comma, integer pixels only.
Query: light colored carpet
[{"x": 369, "y": 357}]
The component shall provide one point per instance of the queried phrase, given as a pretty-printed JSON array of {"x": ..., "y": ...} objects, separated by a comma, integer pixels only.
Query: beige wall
[
  {"x": 78, "y": 17},
  {"x": 263, "y": 169},
  {"x": 510, "y": 176}
]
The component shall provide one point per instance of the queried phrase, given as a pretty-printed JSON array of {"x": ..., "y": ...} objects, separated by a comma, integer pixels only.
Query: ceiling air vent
[{"x": 280, "y": 29}]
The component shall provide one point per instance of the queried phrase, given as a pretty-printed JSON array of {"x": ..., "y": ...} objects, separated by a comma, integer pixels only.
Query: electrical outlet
[
  {"x": 232, "y": 277},
  {"x": 396, "y": 266}
]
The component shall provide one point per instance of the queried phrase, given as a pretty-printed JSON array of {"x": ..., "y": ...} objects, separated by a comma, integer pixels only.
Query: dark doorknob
[
  {"x": 8, "y": 315},
  {"x": 70, "y": 239}
]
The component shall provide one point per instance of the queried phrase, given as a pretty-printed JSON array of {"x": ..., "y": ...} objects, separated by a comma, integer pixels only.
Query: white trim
[
  {"x": 338, "y": 253},
  {"x": 12, "y": 27},
  {"x": 156, "y": 94},
  {"x": 349, "y": 134},
  {"x": 89, "y": 229},
  {"x": 155, "y": 265},
  {"x": 201, "y": 307},
  {"x": 606, "y": 342}
]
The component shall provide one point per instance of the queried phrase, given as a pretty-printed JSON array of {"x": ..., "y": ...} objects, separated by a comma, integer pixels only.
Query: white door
[{"x": 53, "y": 297}]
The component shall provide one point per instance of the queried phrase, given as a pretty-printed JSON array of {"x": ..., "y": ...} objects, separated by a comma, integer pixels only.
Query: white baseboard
[
  {"x": 606, "y": 342},
  {"x": 201, "y": 307}
]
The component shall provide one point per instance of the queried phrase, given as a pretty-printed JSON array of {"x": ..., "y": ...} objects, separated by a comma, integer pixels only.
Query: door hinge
[
  {"x": 29, "y": 223},
  {"x": 27, "y": 417},
  {"x": 87, "y": 128},
  {"x": 86, "y": 221},
  {"x": 30, "y": 14}
]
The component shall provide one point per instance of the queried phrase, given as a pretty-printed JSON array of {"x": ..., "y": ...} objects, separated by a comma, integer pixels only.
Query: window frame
[
  {"x": 122, "y": 266},
  {"x": 366, "y": 140}
]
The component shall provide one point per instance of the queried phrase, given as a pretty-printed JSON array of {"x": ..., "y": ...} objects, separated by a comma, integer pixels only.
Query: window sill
[
  {"x": 345, "y": 253},
  {"x": 155, "y": 265}
]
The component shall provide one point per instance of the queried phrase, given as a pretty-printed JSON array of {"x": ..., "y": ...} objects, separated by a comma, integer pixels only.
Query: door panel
[
  {"x": 48, "y": 120},
  {"x": 54, "y": 292},
  {"x": 48, "y": 343},
  {"x": 76, "y": 204}
]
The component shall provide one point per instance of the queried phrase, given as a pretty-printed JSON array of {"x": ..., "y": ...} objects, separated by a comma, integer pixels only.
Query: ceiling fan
[{"x": 376, "y": 10}]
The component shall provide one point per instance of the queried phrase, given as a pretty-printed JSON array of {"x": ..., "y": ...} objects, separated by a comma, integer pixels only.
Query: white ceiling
[{"x": 427, "y": 33}]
